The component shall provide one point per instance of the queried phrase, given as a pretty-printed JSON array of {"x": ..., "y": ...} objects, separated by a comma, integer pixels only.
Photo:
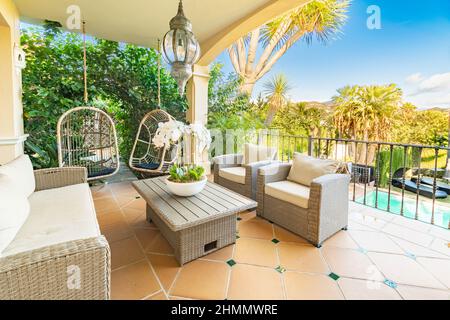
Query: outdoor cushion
[
  {"x": 291, "y": 192},
  {"x": 235, "y": 174},
  {"x": 14, "y": 210},
  {"x": 20, "y": 171},
  {"x": 255, "y": 153},
  {"x": 305, "y": 168},
  {"x": 56, "y": 216}
]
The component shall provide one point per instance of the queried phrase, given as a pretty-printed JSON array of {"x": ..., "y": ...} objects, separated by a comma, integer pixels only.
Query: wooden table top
[{"x": 179, "y": 213}]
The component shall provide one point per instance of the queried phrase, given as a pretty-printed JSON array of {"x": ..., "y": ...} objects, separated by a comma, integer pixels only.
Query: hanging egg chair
[
  {"x": 87, "y": 137},
  {"x": 145, "y": 157}
]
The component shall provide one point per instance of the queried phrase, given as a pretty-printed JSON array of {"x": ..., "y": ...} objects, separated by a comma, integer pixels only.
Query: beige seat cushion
[
  {"x": 57, "y": 216},
  {"x": 235, "y": 174},
  {"x": 255, "y": 153},
  {"x": 14, "y": 211},
  {"x": 20, "y": 171},
  {"x": 305, "y": 168},
  {"x": 288, "y": 191}
]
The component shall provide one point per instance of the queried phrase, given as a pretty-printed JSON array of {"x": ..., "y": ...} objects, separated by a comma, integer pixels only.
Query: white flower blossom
[{"x": 169, "y": 133}]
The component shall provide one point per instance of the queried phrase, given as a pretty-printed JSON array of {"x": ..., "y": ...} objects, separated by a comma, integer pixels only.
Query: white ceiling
[{"x": 141, "y": 22}]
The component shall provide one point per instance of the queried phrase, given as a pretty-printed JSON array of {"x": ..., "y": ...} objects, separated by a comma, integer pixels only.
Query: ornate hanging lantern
[{"x": 181, "y": 49}]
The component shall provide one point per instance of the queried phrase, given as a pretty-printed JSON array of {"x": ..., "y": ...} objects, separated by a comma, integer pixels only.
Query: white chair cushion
[
  {"x": 14, "y": 211},
  {"x": 235, "y": 174},
  {"x": 57, "y": 216},
  {"x": 20, "y": 171},
  {"x": 288, "y": 191},
  {"x": 256, "y": 153},
  {"x": 305, "y": 169}
]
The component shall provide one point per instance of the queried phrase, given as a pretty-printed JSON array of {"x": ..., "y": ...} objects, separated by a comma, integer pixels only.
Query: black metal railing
[{"x": 404, "y": 179}]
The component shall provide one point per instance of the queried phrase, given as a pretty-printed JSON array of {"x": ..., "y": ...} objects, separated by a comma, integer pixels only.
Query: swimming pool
[{"x": 441, "y": 213}]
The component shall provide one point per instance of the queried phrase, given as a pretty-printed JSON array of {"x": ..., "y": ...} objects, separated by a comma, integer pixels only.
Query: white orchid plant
[{"x": 170, "y": 133}]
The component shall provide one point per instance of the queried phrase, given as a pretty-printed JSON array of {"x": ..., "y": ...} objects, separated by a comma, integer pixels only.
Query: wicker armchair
[
  {"x": 231, "y": 173},
  {"x": 51, "y": 272},
  {"x": 323, "y": 212}
]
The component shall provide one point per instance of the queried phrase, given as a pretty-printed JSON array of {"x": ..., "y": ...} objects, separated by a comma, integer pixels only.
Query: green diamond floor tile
[
  {"x": 390, "y": 283},
  {"x": 410, "y": 255},
  {"x": 334, "y": 276},
  {"x": 275, "y": 241},
  {"x": 231, "y": 262},
  {"x": 280, "y": 269}
]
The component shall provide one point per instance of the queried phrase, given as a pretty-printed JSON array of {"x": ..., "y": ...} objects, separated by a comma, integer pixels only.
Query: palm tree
[
  {"x": 321, "y": 19},
  {"x": 275, "y": 91},
  {"x": 367, "y": 113}
]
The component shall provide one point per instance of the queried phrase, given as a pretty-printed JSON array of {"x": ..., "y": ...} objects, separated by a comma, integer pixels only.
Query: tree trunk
[
  {"x": 270, "y": 115},
  {"x": 247, "y": 87}
]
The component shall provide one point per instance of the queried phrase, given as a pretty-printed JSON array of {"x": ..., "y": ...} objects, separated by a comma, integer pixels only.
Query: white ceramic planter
[{"x": 186, "y": 189}]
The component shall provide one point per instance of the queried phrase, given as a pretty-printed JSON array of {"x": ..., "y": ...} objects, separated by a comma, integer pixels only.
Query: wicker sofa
[
  {"x": 315, "y": 213},
  {"x": 58, "y": 251}
]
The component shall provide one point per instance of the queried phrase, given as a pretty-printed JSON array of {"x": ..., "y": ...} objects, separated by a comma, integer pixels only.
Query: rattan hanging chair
[
  {"x": 87, "y": 138},
  {"x": 145, "y": 157}
]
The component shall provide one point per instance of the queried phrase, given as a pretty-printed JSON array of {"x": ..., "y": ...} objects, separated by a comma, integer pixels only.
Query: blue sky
[{"x": 412, "y": 49}]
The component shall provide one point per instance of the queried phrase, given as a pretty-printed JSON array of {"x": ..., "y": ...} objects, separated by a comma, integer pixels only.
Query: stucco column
[
  {"x": 11, "y": 114},
  {"x": 197, "y": 95}
]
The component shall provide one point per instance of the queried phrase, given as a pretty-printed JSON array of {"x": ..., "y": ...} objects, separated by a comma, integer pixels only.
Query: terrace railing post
[
  {"x": 391, "y": 155},
  {"x": 418, "y": 183},
  {"x": 310, "y": 146},
  {"x": 405, "y": 155},
  {"x": 436, "y": 156}
]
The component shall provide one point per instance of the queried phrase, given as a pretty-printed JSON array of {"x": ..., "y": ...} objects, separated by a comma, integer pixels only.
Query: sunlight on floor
[{"x": 381, "y": 256}]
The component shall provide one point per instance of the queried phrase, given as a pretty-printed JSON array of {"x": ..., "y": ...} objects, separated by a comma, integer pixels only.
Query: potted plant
[{"x": 186, "y": 181}]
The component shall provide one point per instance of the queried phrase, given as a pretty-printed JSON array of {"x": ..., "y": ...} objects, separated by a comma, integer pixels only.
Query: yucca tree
[
  {"x": 321, "y": 19},
  {"x": 367, "y": 113},
  {"x": 276, "y": 92}
]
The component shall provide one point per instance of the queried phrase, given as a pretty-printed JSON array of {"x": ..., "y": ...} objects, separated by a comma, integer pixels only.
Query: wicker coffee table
[{"x": 194, "y": 226}]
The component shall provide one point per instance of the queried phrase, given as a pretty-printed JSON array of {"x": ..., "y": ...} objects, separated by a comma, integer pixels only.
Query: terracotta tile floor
[{"x": 381, "y": 256}]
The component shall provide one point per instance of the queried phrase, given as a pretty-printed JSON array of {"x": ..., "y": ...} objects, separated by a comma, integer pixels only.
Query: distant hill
[
  {"x": 327, "y": 106},
  {"x": 436, "y": 109}
]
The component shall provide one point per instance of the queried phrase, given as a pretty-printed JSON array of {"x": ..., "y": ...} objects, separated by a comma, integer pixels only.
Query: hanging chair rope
[
  {"x": 159, "y": 74},
  {"x": 85, "y": 64}
]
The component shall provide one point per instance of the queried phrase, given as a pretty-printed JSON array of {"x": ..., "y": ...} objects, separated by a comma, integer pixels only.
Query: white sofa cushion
[
  {"x": 305, "y": 168},
  {"x": 57, "y": 216},
  {"x": 235, "y": 174},
  {"x": 20, "y": 171},
  {"x": 255, "y": 153},
  {"x": 14, "y": 211},
  {"x": 288, "y": 191}
]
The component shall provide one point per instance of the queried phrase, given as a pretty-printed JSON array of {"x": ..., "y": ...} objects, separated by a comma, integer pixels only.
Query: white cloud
[
  {"x": 414, "y": 78},
  {"x": 437, "y": 82},
  {"x": 426, "y": 92}
]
